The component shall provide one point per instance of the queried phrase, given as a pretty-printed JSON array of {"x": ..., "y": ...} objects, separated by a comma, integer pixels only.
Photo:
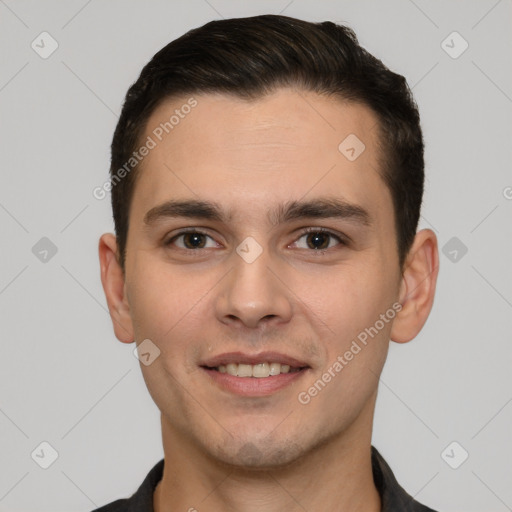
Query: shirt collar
[{"x": 393, "y": 497}]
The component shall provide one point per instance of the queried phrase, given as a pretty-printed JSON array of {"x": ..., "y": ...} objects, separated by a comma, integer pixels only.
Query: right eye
[{"x": 192, "y": 240}]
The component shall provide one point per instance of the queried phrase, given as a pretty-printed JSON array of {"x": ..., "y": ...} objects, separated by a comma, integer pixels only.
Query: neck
[{"x": 336, "y": 476}]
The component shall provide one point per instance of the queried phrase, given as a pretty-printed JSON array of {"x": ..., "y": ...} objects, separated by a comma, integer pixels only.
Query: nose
[{"x": 252, "y": 294}]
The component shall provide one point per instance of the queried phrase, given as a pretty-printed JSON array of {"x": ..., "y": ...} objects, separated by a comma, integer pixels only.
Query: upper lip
[{"x": 262, "y": 357}]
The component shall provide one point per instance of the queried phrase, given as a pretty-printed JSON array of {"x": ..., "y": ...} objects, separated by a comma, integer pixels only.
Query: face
[{"x": 257, "y": 247}]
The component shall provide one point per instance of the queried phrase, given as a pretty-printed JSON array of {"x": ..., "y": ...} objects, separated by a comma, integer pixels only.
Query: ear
[
  {"x": 417, "y": 288},
  {"x": 112, "y": 279}
]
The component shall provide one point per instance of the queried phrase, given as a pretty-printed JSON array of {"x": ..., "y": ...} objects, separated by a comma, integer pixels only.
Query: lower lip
[{"x": 254, "y": 386}]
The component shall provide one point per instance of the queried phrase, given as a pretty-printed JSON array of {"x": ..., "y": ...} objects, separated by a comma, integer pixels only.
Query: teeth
[
  {"x": 275, "y": 369},
  {"x": 244, "y": 370},
  {"x": 260, "y": 370},
  {"x": 232, "y": 369}
]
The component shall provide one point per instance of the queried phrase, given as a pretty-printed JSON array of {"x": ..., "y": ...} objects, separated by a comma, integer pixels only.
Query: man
[{"x": 267, "y": 178}]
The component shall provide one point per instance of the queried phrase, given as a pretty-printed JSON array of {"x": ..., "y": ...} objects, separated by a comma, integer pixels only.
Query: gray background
[{"x": 65, "y": 379}]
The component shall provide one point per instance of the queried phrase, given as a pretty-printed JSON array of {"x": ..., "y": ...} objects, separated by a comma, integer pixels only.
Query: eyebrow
[{"x": 320, "y": 208}]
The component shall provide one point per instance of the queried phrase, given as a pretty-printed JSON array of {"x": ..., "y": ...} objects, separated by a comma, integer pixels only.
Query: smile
[
  {"x": 259, "y": 371},
  {"x": 254, "y": 375}
]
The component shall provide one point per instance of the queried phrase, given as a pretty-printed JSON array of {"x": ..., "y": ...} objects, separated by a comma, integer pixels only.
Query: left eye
[
  {"x": 193, "y": 240},
  {"x": 317, "y": 240}
]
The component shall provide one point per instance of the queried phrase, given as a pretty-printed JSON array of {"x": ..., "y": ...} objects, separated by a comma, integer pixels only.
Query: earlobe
[
  {"x": 113, "y": 282},
  {"x": 417, "y": 288}
]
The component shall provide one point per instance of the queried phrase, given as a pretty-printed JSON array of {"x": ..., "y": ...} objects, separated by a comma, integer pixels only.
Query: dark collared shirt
[{"x": 393, "y": 497}]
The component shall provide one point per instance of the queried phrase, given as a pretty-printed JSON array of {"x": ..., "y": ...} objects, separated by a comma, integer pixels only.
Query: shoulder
[
  {"x": 115, "y": 506},
  {"x": 142, "y": 499},
  {"x": 394, "y": 498}
]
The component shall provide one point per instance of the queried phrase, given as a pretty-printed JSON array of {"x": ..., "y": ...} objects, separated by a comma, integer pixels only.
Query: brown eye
[
  {"x": 318, "y": 240},
  {"x": 192, "y": 240}
]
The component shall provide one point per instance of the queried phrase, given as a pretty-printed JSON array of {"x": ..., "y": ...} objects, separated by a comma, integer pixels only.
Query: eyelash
[{"x": 342, "y": 241}]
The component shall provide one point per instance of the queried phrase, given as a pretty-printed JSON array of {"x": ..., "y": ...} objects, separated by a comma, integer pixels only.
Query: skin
[{"x": 229, "y": 452}]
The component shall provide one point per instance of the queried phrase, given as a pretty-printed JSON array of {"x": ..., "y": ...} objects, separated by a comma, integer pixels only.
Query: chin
[{"x": 259, "y": 455}]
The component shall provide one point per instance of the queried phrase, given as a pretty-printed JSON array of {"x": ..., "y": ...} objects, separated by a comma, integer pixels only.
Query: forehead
[{"x": 283, "y": 146}]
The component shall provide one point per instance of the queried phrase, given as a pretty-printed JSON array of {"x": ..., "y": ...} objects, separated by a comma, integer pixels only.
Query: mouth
[
  {"x": 256, "y": 375},
  {"x": 258, "y": 371}
]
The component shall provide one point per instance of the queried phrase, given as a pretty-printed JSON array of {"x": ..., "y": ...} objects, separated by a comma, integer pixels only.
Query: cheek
[
  {"x": 349, "y": 306},
  {"x": 160, "y": 298},
  {"x": 347, "y": 300},
  {"x": 171, "y": 306}
]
